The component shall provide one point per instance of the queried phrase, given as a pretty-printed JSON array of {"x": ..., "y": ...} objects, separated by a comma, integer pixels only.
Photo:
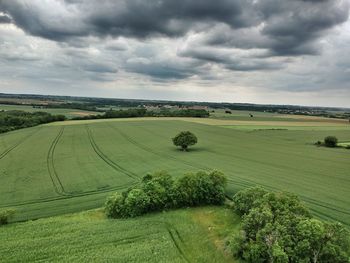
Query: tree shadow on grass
[{"x": 190, "y": 149}]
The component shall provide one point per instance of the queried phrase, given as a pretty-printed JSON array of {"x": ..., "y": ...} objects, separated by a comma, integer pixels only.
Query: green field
[
  {"x": 344, "y": 144},
  {"x": 69, "y": 113},
  {"x": 72, "y": 166},
  {"x": 187, "y": 235}
]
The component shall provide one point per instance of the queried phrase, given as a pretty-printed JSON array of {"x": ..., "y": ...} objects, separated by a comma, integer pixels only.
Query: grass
[
  {"x": 69, "y": 113},
  {"x": 72, "y": 166},
  {"x": 344, "y": 144},
  {"x": 186, "y": 235}
]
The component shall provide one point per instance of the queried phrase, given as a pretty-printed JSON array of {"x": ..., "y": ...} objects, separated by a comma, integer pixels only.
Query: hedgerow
[{"x": 160, "y": 191}]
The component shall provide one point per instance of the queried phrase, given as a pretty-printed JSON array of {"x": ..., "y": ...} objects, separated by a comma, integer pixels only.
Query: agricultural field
[
  {"x": 72, "y": 166},
  {"x": 69, "y": 113},
  {"x": 186, "y": 235}
]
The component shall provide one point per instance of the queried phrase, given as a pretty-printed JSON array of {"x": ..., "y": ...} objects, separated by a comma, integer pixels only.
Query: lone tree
[
  {"x": 185, "y": 139},
  {"x": 330, "y": 141}
]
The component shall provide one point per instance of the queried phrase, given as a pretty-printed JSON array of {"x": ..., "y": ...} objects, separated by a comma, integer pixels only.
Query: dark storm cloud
[
  {"x": 238, "y": 35},
  {"x": 164, "y": 69},
  {"x": 293, "y": 26},
  {"x": 286, "y": 28},
  {"x": 59, "y": 20},
  {"x": 5, "y": 19},
  {"x": 231, "y": 61}
]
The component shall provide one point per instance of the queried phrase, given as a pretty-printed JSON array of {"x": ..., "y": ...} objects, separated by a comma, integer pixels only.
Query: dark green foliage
[
  {"x": 330, "y": 141},
  {"x": 5, "y": 216},
  {"x": 318, "y": 143},
  {"x": 159, "y": 191},
  {"x": 142, "y": 112},
  {"x": 244, "y": 200},
  {"x": 276, "y": 227},
  {"x": 159, "y": 188},
  {"x": 200, "y": 188},
  {"x": 125, "y": 113},
  {"x": 13, "y": 120},
  {"x": 185, "y": 139}
]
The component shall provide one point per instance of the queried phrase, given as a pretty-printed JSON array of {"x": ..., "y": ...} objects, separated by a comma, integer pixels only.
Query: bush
[
  {"x": 136, "y": 203},
  {"x": 244, "y": 200},
  {"x": 5, "y": 216},
  {"x": 330, "y": 141},
  {"x": 200, "y": 189},
  {"x": 318, "y": 143},
  {"x": 159, "y": 191}
]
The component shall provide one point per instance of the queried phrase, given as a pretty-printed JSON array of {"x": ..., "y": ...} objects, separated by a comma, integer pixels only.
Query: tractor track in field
[
  {"x": 175, "y": 237},
  {"x": 57, "y": 184},
  {"x": 242, "y": 182},
  {"x": 8, "y": 150},
  {"x": 106, "y": 159},
  {"x": 149, "y": 150},
  {"x": 69, "y": 196}
]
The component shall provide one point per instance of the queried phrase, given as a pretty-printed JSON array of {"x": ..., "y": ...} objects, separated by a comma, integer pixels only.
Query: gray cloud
[
  {"x": 5, "y": 19},
  {"x": 283, "y": 45},
  {"x": 284, "y": 27}
]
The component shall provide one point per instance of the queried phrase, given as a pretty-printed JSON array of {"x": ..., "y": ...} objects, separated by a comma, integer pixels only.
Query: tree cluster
[
  {"x": 161, "y": 191},
  {"x": 13, "y": 120},
  {"x": 277, "y": 227},
  {"x": 142, "y": 112}
]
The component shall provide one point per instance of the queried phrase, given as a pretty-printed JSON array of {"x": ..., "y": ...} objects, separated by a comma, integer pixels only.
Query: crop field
[
  {"x": 72, "y": 166},
  {"x": 187, "y": 235},
  {"x": 344, "y": 144},
  {"x": 69, "y": 113}
]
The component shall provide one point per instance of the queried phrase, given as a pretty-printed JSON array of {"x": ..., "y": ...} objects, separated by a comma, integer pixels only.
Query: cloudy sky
[{"x": 258, "y": 51}]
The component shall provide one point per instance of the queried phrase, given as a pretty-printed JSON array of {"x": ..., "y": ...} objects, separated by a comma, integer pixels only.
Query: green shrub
[
  {"x": 159, "y": 191},
  {"x": 136, "y": 203},
  {"x": 244, "y": 200},
  {"x": 114, "y": 206},
  {"x": 318, "y": 143},
  {"x": 330, "y": 141},
  {"x": 5, "y": 216},
  {"x": 159, "y": 188},
  {"x": 200, "y": 189}
]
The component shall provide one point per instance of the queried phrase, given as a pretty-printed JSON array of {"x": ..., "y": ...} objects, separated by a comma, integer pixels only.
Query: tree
[
  {"x": 331, "y": 141},
  {"x": 185, "y": 139}
]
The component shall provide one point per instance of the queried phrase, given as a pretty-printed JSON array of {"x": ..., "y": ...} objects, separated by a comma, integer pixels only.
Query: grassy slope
[
  {"x": 69, "y": 113},
  {"x": 187, "y": 235},
  {"x": 92, "y": 158}
]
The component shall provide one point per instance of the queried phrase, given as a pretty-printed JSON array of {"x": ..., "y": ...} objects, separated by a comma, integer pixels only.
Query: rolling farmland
[
  {"x": 72, "y": 166},
  {"x": 69, "y": 113},
  {"x": 176, "y": 236}
]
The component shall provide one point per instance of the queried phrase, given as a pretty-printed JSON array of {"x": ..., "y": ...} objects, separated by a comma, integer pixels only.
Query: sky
[{"x": 255, "y": 51}]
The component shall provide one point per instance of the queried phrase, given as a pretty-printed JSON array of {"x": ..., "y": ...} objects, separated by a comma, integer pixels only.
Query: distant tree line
[
  {"x": 93, "y": 104},
  {"x": 277, "y": 227},
  {"x": 13, "y": 120},
  {"x": 161, "y": 191},
  {"x": 141, "y": 112},
  {"x": 73, "y": 105}
]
